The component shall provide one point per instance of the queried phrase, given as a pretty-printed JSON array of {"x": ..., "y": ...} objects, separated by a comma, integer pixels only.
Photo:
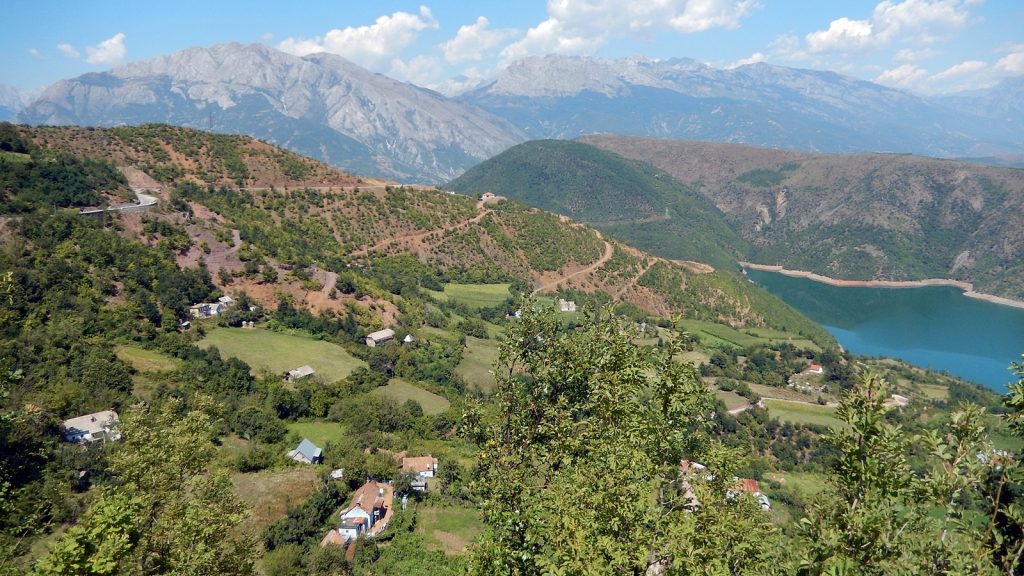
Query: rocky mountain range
[
  {"x": 328, "y": 108},
  {"x": 320, "y": 105},
  {"x": 759, "y": 104}
]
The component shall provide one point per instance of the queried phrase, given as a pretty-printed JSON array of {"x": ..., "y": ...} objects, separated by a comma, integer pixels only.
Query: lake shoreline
[{"x": 967, "y": 287}]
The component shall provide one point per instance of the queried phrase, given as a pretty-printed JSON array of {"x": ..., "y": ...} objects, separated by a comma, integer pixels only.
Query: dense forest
[{"x": 586, "y": 439}]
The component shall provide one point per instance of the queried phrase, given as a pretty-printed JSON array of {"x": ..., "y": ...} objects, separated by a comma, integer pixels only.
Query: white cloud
[
  {"x": 266, "y": 37},
  {"x": 68, "y": 50},
  {"x": 473, "y": 41},
  {"x": 374, "y": 46},
  {"x": 969, "y": 67},
  {"x": 552, "y": 37},
  {"x": 787, "y": 47},
  {"x": 34, "y": 52},
  {"x": 752, "y": 59},
  {"x": 906, "y": 21},
  {"x": 905, "y": 76},
  {"x": 583, "y": 26},
  {"x": 1012, "y": 63},
  {"x": 421, "y": 70},
  {"x": 842, "y": 35},
  {"x": 109, "y": 51},
  {"x": 922, "y": 21},
  {"x": 908, "y": 55}
]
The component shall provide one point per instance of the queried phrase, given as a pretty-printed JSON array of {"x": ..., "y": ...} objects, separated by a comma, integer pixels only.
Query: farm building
[
  {"x": 379, "y": 337},
  {"x": 422, "y": 466},
  {"x": 299, "y": 373},
  {"x": 91, "y": 427},
  {"x": 306, "y": 452},
  {"x": 207, "y": 309}
]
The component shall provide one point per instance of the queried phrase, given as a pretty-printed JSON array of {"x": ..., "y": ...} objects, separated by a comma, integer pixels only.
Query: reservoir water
[{"x": 933, "y": 327}]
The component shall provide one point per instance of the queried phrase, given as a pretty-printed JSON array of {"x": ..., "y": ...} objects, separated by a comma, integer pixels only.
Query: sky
[{"x": 924, "y": 46}]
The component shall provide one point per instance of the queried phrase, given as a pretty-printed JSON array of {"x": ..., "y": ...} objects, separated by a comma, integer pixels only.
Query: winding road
[{"x": 600, "y": 262}]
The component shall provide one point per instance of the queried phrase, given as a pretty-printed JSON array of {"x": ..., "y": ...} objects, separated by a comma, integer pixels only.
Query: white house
[
  {"x": 367, "y": 504},
  {"x": 379, "y": 337},
  {"x": 307, "y": 453},
  {"x": 351, "y": 528},
  {"x": 815, "y": 369},
  {"x": 566, "y": 305},
  {"x": 91, "y": 427},
  {"x": 207, "y": 309}
]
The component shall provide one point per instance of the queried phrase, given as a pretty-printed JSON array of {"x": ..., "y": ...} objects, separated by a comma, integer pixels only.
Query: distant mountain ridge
[
  {"x": 758, "y": 104},
  {"x": 320, "y": 105},
  {"x": 330, "y": 109}
]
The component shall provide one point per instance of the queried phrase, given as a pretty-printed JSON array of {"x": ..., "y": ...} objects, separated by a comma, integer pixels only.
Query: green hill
[{"x": 631, "y": 200}]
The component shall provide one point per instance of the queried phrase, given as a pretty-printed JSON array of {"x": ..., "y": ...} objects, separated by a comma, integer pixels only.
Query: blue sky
[{"x": 926, "y": 46}]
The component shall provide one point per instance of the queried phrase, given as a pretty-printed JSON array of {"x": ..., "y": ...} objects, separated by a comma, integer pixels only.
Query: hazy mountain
[
  {"x": 857, "y": 216},
  {"x": 565, "y": 97},
  {"x": 11, "y": 101},
  {"x": 320, "y": 105}
]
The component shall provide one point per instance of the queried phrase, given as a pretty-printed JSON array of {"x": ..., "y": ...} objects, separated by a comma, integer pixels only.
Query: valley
[{"x": 242, "y": 305}]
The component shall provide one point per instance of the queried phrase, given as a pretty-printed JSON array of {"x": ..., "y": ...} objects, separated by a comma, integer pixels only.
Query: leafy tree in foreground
[
  {"x": 171, "y": 512},
  {"x": 579, "y": 468},
  {"x": 881, "y": 516}
]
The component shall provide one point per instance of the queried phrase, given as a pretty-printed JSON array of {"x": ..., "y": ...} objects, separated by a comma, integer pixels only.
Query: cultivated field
[
  {"x": 270, "y": 493},
  {"x": 800, "y": 413},
  {"x": 279, "y": 353},
  {"x": 477, "y": 362},
  {"x": 400, "y": 390},
  {"x": 146, "y": 360},
  {"x": 319, "y": 432},
  {"x": 474, "y": 295},
  {"x": 448, "y": 528}
]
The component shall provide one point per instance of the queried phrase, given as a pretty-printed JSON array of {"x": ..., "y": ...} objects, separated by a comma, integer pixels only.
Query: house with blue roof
[{"x": 307, "y": 453}]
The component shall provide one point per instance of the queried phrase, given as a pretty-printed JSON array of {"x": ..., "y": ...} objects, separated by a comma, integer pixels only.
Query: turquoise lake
[{"x": 933, "y": 327}]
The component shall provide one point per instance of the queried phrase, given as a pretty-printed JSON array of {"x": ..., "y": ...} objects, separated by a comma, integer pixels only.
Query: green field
[
  {"x": 477, "y": 363},
  {"x": 448, "y": 528},
  {"x": 15, "y": 157},
  {"x": 280, "y": 353},
  {"x": 713, "y": 334},
  {"x": 474, "y": 296},
  {"x": 400, "y": 390},
  {"x": 319, "y": 432},
  {"x": 146, "y": 360},
  {"x": 731, "y": 400},
  {"x": 799, "y": 413},
  {"x": 934, "y": 391},
  {"x": 781, "y": 393}
]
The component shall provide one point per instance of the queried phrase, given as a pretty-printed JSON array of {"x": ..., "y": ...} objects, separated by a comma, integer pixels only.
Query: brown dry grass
[{"x": 269, "y": 494}]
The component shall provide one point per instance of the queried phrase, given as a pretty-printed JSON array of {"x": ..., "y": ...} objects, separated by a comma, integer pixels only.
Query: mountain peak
[{"x": 321, "y": 105}]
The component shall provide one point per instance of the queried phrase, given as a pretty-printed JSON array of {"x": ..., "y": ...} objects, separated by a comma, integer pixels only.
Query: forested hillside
[
  {"x": 863, "y": 216},
  {"x": 630, "y": 200}
]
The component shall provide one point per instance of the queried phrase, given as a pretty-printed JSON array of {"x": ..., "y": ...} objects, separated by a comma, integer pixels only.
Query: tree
[
  {"x": 877, "y": 515},
  {"x": 172, "y": 510},
  {"x": 579, "y": 472}
]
